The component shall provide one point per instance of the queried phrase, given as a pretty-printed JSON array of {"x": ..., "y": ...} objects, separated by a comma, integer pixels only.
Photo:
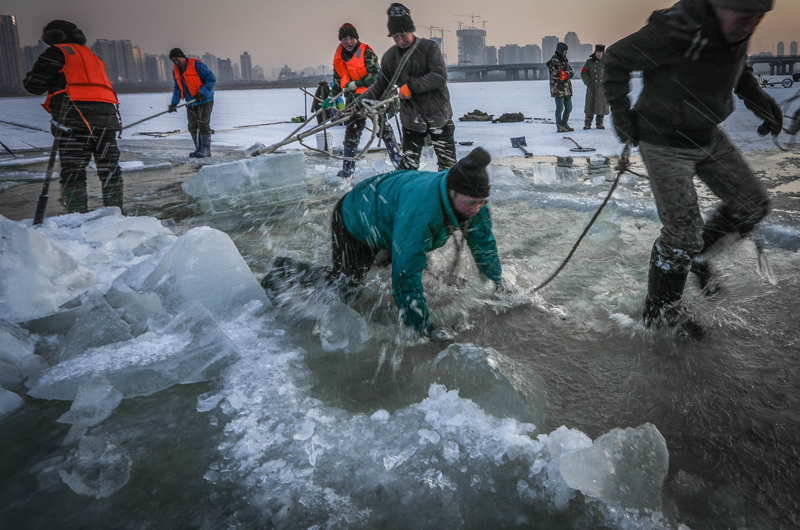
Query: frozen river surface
[{"x": 151, "y": 383}]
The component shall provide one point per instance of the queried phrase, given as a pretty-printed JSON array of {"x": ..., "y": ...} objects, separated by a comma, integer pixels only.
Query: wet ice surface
[{"x": 241, "y": 412}]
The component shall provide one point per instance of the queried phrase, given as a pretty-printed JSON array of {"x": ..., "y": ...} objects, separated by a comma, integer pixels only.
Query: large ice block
[
  {"x": 625, "y": 466},
  {"x": 265, "y": 179},
  {"x": 97, "y": 324},
  {"x": 202, "y": 266},
  {"x": 9, "y": 402},
  {"x": 17, "y": 360},
  {"x": 36, "y": 277},
  {"x": 500, "y": 386},
  {"x": 97, "y": 468},
  {"x": 341, "y": 328},
  {"x": 191, "y": 349},
  {"x": 95, "y": 401}
]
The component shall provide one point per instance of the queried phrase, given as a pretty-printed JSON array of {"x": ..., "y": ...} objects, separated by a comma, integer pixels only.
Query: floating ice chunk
[
  {"x": 95, "y": 401},
  {"x": 36, "y": 277},
  {"x": 17, "y": 360},
  {"x": 9, "y": 402},
  {"x": 341, "y": 328},
  {"x": 138, "y": 310},
  {"x": 598, "y": 160},
  {"x": 607, "y": 224},
  {"x": 569, "y": 176},
  {"x": 97, "y": 468},
  {"x": 544, "y": 174},
  {"x": 264, "y": 179},
  {"x": 625, "y": 466},
  {"x": 97, "y": 324},
  {"x": 204, "y": 267},
  {"x": 191, "y": 349},
  {"x": 499, "y": 385}
]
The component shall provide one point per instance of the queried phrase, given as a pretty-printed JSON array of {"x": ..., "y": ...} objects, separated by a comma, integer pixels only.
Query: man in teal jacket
[{"x": 412, "y": 213}]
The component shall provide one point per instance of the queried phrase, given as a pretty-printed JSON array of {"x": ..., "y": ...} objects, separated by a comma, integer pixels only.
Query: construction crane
[
  {"x": 472, "y": 16},
  {"x": 431, "y": 29}
]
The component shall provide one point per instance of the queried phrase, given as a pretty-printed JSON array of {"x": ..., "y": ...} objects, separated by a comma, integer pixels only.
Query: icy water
[{"x": 294, "y": 435}]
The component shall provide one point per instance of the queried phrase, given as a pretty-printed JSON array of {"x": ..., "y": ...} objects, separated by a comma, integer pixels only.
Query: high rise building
[
  {"x": 117, "y": 55},
  {"x": 237, "y": 72},
  {"x": 225, "y": 71},
  {"x": 32, "y": 53},
  {"x": 258, "y": 73},
  {"x": 210, "y": 60},
  {"x": 577, "y": 51},
  {"x": 548, "y": 47},
  {"x": 508, "y": 54},
  {"x": 139, "y": 64},
  {"x": 530, "y": 53},
  {"x": 489, "y": 55},
  {"x": 11, "y": 64},
  {"x": 471, "y": 42},
  {"x": 793, "y": 48},
  {"x": 781, "y": 49},
  {"x": 158, "y": 68},
  {"x": 246, "y": 64}
]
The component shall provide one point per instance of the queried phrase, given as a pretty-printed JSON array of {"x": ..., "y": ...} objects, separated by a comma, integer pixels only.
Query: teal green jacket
[{"x": 409, "y": 212}]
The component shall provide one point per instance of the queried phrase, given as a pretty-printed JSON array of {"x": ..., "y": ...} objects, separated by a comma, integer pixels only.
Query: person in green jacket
[{"x": 412, "y": 213}]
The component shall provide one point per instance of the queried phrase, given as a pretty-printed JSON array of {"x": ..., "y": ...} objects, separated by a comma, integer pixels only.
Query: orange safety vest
[
  {"x": 86, "y": 77},
  {"x": 352, "y": 70},
  {"x": 193, "y": 81}
]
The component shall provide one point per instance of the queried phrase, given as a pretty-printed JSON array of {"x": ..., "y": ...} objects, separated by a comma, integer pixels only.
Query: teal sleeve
[
  {"x": 411, "y": 242},
  {"x": 481, "y": 242}
]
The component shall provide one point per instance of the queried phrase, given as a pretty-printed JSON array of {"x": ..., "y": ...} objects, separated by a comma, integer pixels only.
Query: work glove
[
  {"x": 405, "y": 92},
  {"x": 763, "y": 106},
  {"x": 173, "y": 107},
  {"x": 199, "y": 98},
  {"x": 328, "y": 103},
  {"x": 351, "y": 86},
  {"x": 563, "y": 76},
  {"x": 625, "y": 126},
  {"x": 773, "y": 122}
]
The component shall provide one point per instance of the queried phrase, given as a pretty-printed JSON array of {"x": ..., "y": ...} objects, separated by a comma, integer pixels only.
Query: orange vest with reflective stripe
[
  {"x": 352, "y": 70},
  {"x": 86, "y": 76},
  {"x": 193, "y": 81}
]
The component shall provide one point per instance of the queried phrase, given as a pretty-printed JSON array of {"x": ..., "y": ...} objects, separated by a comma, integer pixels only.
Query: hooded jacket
[
  {"x": 410, "y": 212},
  {"x": 561, "y": 74},
  {"x": 690, "y": 74}
]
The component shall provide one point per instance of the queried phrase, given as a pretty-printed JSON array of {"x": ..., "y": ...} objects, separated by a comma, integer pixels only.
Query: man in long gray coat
[{"x": 592, "y": 75}]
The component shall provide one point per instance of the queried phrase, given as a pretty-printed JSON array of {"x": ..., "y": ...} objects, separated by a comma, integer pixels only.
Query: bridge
[{"x": 778, "y": 65}]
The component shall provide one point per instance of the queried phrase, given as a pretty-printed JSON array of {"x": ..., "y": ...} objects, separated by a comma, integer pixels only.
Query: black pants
[
  {"x": 352, "y": 135},
  {"x": 351, "y": 257},
  {"x": 442, "y": 139},
  {"x": 199, "y": 117},
  {"x": 76, "y": 151}
]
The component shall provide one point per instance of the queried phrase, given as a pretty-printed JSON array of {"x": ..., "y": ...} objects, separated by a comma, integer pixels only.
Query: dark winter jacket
[
  {"x": 410, "y": 213},
  {"x": 426, "y": 76},
  {"x": 207, "y": 90},
  {"x": 560, "y": 68},
  {"x": 46, "y": 76},
  {"x": 592, "y": 76},
  {"x": 689, "y": 72}
]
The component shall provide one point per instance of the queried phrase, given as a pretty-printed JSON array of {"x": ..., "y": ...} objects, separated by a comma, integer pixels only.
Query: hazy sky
[{"x": 303, "y": 33}]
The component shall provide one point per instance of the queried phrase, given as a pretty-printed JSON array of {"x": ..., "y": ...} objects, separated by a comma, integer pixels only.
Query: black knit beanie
[
  {"x": 399, "y": 19},
  {"x": 348, "y": 30},
  {"x": 469, "y": 177},
  {"x": 176, "y": 52},
  {"x": 62, "y": 32}
]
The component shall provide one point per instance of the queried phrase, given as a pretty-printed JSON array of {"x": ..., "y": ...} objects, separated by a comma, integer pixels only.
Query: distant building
[
  {"x": 489, "y": 55},
  {"x": 225, "y": 71},
  {"x": 287, "y": 73},
  {"x": 530, "y": 53},
  {"x": 308, "y": 72},
  {"x": 11, "y": 64},
  {"x": 139, "y": 64},
  {"x": 781, "y": 49},
  {"x": 158, "y": 68},
  {"x": 471, "y": 42},
  {"x": 32, "y": 53},
  {"x": 508, "y": 54},
  {"x": 577, "y": 52},
  {"x": 548, "y": 47},
  {"x": 258, "y": 73},
  {"x": 117, "y": 55},
  {"x": 237, "y": 72},
  {"x": 793, "y": 48},
  {"x": 247, "y": 66},
  {"x": 210, "y": 60}
]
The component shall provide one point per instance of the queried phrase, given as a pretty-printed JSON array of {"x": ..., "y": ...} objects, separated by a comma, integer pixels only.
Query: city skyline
[{"x": 277, "y": 35}]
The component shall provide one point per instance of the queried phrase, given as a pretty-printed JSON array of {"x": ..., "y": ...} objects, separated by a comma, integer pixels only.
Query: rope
[{"x": 622, "y": 166}]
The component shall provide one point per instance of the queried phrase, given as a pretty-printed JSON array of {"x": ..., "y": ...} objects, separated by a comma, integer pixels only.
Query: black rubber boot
[
  {"x": 75, "y": 197},
  {"x": 112, "y": 193},
  {"x": 663, "y": 308},
  {"x": 196, "y": 146},
  {"x": 204, "y": 149},
  {"x": 348, "y": 166},
  {"x": 395, "y": 154}
]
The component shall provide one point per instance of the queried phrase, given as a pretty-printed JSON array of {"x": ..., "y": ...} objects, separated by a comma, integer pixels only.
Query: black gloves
[
  {"x": 625, "y": 126},
  {"x": 173, "y": 107},
  {"x": 762, "y": 105},
  {"x": 773, "y": 122},
  {"x": 199, "y": 98}
]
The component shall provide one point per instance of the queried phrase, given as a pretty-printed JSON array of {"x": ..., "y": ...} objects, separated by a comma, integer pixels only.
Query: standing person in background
[
  {"x": 194, "y": 81},
  {"x": 355, "y": 68},
  {"x": 675, "y": 122},
  {"x": 592, "y": 76},
  {"x": 424, "y": 98},
  {"x": 80, "y": 98},
  {"x": 561, "y": 74}
]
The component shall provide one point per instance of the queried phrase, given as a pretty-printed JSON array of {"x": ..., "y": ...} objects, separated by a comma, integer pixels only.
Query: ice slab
[
  {"x": 544, "y": 174},
  {"x": 114, "y": 226},
  {"x": 36, "y": 277},
  {"x": 190, "y": 349},
  {"x": 9, "y": 402},
  {"x": 625, "y": 466},
  {"x": 17, "y": 360},
  {"x": 95, "y": 401},
  {"x": 97, "y": 468},
  {"x": 341, "y": 328},
  {"x": 265, "y": 179},
  {"x": 499, "y": 385},
  {"x": 202, "y": 266},
  {"x": 97, "y": 324},
  {"x": 138, "y": 310}
]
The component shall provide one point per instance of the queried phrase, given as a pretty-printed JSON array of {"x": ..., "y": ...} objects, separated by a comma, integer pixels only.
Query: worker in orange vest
[
  {"x": 194, "y": 82},
  {"x": 80, "y": 100},
  {"x": 355, "y": 68}
]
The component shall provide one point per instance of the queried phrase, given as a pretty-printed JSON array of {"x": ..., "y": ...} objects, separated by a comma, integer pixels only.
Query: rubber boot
[
  {"x": 76, "y": 198},
  {"x": 112, "y": 193},
  {"x": 395, "y": 154},
  {"x": 587, "y": 123},
  {"x": 662, "y": 308},
  {"x": 204, "y": 150},
  {"x": 196, "y": 146},
  {"x": 599, "y": 121},
  {"x": 348, "y": 166}
]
